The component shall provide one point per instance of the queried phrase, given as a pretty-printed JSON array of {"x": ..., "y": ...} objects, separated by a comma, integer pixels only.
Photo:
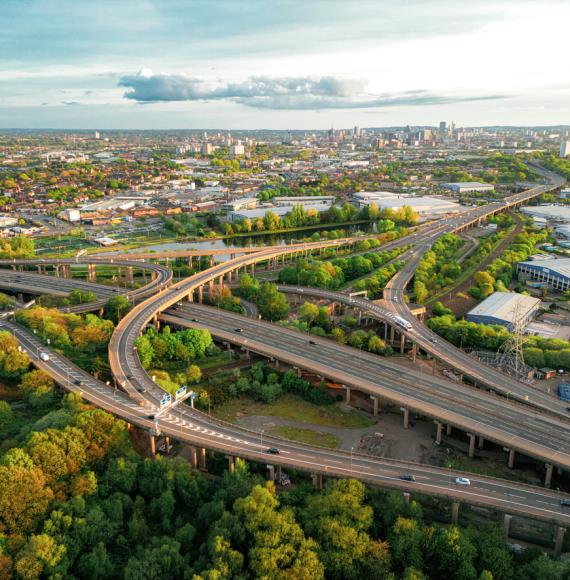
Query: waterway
[{"x": 241, "y": 242}]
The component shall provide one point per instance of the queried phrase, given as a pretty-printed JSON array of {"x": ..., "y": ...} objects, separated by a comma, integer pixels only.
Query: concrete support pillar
[
  {"x": 92, "y": 273},
  {"x": 406, "y": 497},
  {"x": 375, "y": 404},
  {"x": 152, "y": 444},
  {"x": 448, "y": 430},
  {"x": 414, "y": 352},
  {"x": 359, "y": 317},
  {"x": 507, "y": 525},
  {"x": 167, "y": 445},
  {"x": 130, "y": 275},
  {"x": 67, "y": 271},
  {"x": 347, "y": 393},
  {"x": 548, "y": 476},
  {"x": 230, "y": 276},
  {"x": 317, "y": 481},
  {"x": 406, "y": 412},
  {"x": 191, "y": 296},
  {"x": 279, "y": 473},
  {"x": 472, "y": 438},
  {"x": 392, "y": 333},
  {"x": 454, "y": 512},
  {"x": 511, "y": 459},
  {"x": 481, "y": 442},
  {"x": 202, "y": 457},
  {"x": 190, "y": 264},
  {"x": 560, "y": 531},
  {"x": 194, "y": 457},
  {"x": 211, "y": 261},
  {"x": 200, "y": 294},
  {"x": 271, "y": 472},
  {"x": 402, "y": 343},
  {"x": 231, "y": 464},
  {"x": 439, "y": 432}
]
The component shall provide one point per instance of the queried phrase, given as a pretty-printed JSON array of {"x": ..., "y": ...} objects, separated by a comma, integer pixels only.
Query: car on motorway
[
  {"x": 434, "y": 340},
  {"x": 152, "y": 417},
  {"x": 312, "y": 342},
  {"x": 141, "y": 389},
  {"x": 44, "y": 356},
  {"x": 272, "y": 451},
  {"x": 462, "y": 481},
  {"x": 408, "y": 477},
  {"x": 565, "y": 501},
  {"x": 78, "y": 382},
  {"x": 238, "y": 329}
]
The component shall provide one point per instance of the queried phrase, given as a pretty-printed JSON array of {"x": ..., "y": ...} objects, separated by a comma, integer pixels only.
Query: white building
[
  {"x": 424, "y": 206},
  {"x": 260, "y": 212},
  {"x": 468, "y": 186},
  {"x": 206, "y": 149},
  {"x": 237, "y": 149},
  {"x": 304, "y": 200},
  {"x": 70, "y": 215},
  {"x": 564, "y": 148},
  {"x": 505, "y": 308}
]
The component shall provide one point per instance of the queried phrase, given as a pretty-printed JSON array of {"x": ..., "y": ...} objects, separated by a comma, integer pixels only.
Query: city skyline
[{"x": 179, "y": 65}]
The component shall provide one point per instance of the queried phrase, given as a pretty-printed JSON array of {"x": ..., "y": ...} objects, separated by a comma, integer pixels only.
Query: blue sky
[{"x": 162, "y": 64}]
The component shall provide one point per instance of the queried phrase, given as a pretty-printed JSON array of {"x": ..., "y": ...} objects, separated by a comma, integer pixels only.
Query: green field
[
  {"x": 306, "y": 436},
  {"x": 292, "y": 407}
]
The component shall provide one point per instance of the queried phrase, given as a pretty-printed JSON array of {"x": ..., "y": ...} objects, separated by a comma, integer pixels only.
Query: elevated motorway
[
  {"x": 63, "y": 283},
  {"x": 428, "y": 341},
  {"x": 512, "y": 425},
  {"x": 199, "y": 430},
  {"x": 479, "y": 373}
]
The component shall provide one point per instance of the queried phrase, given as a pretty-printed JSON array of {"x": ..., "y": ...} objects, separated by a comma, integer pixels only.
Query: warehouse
[
  {"x": 503, "y": 308},
  {"x": 424, "y": 206},
  {"x": 555, "y": 273},
  {"x": 260, "y": 212},
  {"x": 468, "y": 186}
]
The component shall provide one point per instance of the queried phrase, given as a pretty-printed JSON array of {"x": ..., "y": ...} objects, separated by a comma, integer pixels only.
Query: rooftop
[
  {"x": 560, "y": 266},
  {"x": 502, "y": 305}
]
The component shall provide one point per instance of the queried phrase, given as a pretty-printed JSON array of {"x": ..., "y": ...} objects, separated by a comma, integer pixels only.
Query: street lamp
[{"x": 351, "y": 450}]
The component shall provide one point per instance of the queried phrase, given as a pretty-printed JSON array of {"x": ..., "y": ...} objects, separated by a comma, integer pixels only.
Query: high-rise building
[
  {"x": 357, "y": 131},
  {"x": 237, "y": 149},
  {"x": 564, "y": 148},
  {"x": 442, "y": 126},
  {"x": 206, "y": 149},
  {"x": 97, "y": 135}
]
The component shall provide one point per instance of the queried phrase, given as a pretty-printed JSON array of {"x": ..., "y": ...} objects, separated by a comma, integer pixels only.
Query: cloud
[
  {"x": 70, "y": 103},
  {"x": 290, "y": 93}
]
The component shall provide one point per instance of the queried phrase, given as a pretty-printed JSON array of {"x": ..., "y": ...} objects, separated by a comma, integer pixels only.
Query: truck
[{"x": 402, "y": 322}]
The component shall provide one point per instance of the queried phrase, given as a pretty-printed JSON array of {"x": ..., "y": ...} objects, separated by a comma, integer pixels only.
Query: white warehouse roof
[
  {"x": 501, "y": 306},
  {"x": 560, "y": 266}
]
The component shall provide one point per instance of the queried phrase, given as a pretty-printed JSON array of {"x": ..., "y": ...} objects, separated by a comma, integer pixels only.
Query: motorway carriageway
[
  {"x": 440, "y": 349},
  {"x": 513, "y": 425},
  {"x": 197, "y": 429}
]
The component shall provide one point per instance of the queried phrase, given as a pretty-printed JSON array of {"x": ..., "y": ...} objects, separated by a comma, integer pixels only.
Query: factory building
[
  {"x": 260, "y": 212},
  {"x": 468, "y": 186},
  {"x": 503, "y": 307},
  {"x": 424, "y": 206},
  {"x": 555, "y": 273}
]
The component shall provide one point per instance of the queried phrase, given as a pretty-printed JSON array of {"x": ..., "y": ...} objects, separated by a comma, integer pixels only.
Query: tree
[
  {"x": 37, "y": 387},
  {"x": 24, "y": 499},
  {"x": 40, "y": 557},
  {"x": 96, "y": 564},
  {"x": 116, "y": 308},
  {"x": 308, "y": 312},
  {"x": 271, "y": 303},
  {"x": 6, "y": 416}
]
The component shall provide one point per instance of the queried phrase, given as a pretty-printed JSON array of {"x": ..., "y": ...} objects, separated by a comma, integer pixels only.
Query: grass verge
[
  {"x": 295, "y": 408},
  {"x": 306, "y": 436}
]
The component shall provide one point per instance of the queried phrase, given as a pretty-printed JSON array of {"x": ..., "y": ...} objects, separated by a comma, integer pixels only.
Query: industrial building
[
  {"x": 504, "y": 308},
  {"x": 260, "y": 212},
  {"x": 554, "y": 213},
  {"x": 304, "y": 200},
  {"x": 555, "y": 273},
  {"x": 468, "y": 186},
  {"x": 424, "y": 206}
]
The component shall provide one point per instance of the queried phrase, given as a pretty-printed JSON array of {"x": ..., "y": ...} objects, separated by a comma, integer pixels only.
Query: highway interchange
[{"x": 517, "y": 426}]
